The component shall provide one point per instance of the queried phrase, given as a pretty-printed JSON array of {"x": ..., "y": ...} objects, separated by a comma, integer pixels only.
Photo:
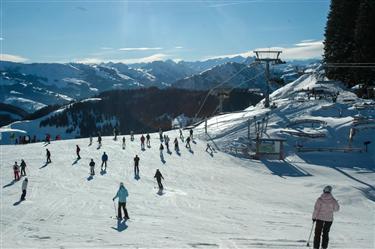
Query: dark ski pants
[
  {"x": 159, "y": 184},
  {"x": 136, "y": 170},
  {"x": 105, "y": 165},
  {"x": 320, "y": 226},
  {"x": 92, "y": 171},
  {"x": 148, "y": 143},
  {"x": 23, "y": 172},
  {"x": 23, "y": 195},
  {"x": 123, "y": 205}
]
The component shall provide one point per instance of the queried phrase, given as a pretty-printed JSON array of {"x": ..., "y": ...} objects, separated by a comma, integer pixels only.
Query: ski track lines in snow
[{"x": 208, "y": 202}]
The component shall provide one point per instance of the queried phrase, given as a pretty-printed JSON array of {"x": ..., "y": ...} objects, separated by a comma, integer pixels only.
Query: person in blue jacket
[
  {"x": 104, "y": 161},
  {"x": 122, "y": 194}
]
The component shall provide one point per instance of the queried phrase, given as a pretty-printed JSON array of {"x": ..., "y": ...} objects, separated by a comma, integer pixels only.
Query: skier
[
  {"x": 166, "y": 142},
  {"x": 115, "y": 134},
  {"x": 104, "y": 161},
  {"x": 161, "y": 148},
  {"x": 77, "y": 151},
  {"x": 48, "y": 154},
  {"x": 181, "y": 135},
  {"x": 158, "y": 177},
  {"x": 99, "y": 139},
  {"x": 148, "y": 140},
  {"x": 16, "y": 171},
  {"x": 136, "y": 165},
  {"x": 48, "y": 138},
  {"x": 122, "y": 194},
  {"x": 123, "y": 143},
  {"x": 161, "y": 135},
  {"x": 142, "y": 142},
  {"x": 24, "y": 188},
  {"x": 23, "y": 166},
  {"x": 92, "y": 167},
  {"x": 176, "y": 148},
  {"x": 188, "y": 143},
  {"x": 131, "y": 136},
  {"x": 325, "y": 205},
  {"x": 191, "y": 134}
]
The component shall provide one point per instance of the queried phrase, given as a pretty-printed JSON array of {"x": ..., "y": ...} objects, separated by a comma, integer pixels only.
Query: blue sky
[{"x": 133, "y": 31}]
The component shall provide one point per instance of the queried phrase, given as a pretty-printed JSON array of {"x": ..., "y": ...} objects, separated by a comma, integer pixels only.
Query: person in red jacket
[
  {"x": 142, "y": 142},
  {"x": 325, "y": 205},
  {"x": 16, "y": 170}
]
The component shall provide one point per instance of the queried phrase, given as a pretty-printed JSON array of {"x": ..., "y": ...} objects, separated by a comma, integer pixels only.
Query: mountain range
[{"x": 36, "y": 85}]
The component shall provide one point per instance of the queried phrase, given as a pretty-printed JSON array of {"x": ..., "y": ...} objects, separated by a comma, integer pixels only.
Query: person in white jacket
[
  {"x": 325, "y": 205},
  {"x": 24, "y": 187}
]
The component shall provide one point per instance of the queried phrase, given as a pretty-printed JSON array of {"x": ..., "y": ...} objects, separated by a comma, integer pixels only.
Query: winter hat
[
  {"x": 327, "y": 189},
  {"x": 121, "y": 184},
  {"x": 26, "y": 179}
]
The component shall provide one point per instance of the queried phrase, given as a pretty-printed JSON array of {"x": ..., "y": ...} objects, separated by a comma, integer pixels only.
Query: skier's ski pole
[
  {"x": 308, "y": 241},
  {"x": 114, "y": 205}
]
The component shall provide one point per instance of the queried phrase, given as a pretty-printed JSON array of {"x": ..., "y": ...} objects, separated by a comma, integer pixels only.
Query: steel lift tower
[{"x": 270, "y": 56}]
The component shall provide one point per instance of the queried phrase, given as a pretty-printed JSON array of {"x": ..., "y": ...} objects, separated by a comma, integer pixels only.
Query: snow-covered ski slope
[
  {"x": 209, "y": 201},
  {"x": 218, "y": 201}
]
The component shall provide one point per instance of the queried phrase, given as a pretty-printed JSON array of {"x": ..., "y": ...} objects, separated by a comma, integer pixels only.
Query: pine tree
[
  {"x": 339, "y": 38},
  {"x": 365, "y": 41}
]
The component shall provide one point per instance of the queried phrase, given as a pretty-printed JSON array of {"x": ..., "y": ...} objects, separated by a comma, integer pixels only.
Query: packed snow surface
[{"x": 208, "y": 201}]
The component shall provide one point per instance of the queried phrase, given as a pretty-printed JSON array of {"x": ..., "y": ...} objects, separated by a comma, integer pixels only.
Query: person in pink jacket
[{"x": 325, "y": 205}]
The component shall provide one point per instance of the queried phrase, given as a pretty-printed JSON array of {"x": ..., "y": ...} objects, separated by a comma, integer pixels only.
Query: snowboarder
[
  {"x": 142, "y": 142},
  {"x": 122, "y": 194},
  {"x": 176, "y": 148},
  {"x": 24, "y": 188},
  {"x": 92, "y": 167},
  {"x": 104, "y": 161},
  {"x": 158, "y": 177},
  {"x": 131, "y": 136},
  {"x": 77, "y": 151},
  {"x": 16, "y": 170},
  {"x": 188, "y": 143},
  {"x": 191, "y": 134},
  {"x": 23, "y": 166},
  {"x": 123, "y": 143},
  {"x": 148, "y": 140},
  {"x": 136, "y": 165},
  {"x": 48, "y": 155},
  {"x": 325, "y": 205}
]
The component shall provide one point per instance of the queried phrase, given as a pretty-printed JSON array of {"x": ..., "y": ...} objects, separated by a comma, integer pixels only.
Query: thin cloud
[
  {"x": 140, "y": 49},
  {"x": 89, "y": 61},
  {"x": 178, "y": 47},
  {"x": 12, "y": 57},
  {"x": 81, "y": 8},
  {"x": 95, "y": 60},
  {"x": 306, "y": 49},
  {"x": 1, "y": 38}
]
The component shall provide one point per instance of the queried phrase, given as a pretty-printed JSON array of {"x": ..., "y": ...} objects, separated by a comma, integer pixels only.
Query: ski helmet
[{"x": 327, "y": 189}]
